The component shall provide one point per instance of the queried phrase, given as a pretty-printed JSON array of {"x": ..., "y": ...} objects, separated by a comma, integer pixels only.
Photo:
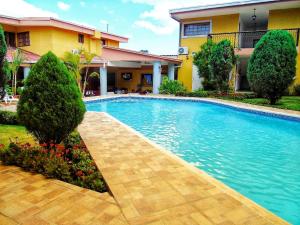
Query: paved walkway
[
  {"x": 31, "y": 199},
  {"x": 155, "y": 187}
]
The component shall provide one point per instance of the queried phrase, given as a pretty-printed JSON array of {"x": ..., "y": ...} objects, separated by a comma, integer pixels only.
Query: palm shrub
[
  {"x": 171, "y": 86},
  {"x": 272, "y": 65},
  {"x": 50, "y": 106},
  {"x": 201, "y": 61},
  {"x": 221, "y": 64}
]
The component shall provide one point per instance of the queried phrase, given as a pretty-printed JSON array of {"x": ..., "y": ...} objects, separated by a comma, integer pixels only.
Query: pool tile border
[{"x": 231, "y": 105}]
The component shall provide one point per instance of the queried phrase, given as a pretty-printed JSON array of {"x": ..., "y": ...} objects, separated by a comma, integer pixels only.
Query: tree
[
  {"x": 72, "y": 61},
  {"x": 87, "y": 60},
  {"x": 50, "y": 106},
  {"x": 201, "y": 60},
  {"x": 17, "y": 59},
  {"x": 3, "y": 63},
  {"x": 272, "y": 65},
  {"x": 221, "y": 63}
]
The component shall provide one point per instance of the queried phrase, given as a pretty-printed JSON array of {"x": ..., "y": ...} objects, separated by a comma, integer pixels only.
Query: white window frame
[{"x": 192, "y": 22}]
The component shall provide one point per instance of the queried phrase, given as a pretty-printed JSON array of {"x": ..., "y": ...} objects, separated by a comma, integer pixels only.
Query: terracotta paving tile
[
  {"x": 152, "y": 186},
  {"x": 27, "y": 198}
]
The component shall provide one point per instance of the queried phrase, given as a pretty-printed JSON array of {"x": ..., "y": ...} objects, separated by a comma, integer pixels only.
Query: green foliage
[
  {"x": 221, "y": 63},
  {"x": 50, "y": 106},
  {"x": 71, "y": 165},
  {"x": 9, "y": 118},
  {"x": 19, "y": 90},
  {"x": 72, "y": 140},
  {"x": 202, "y": 61},
  {"x": 272, "y": 65},
  {"x": 171, "y": 86},
  {"x": 17, "y": 59},
  {"x": 3, "y": 63},
  {"x": 198, "y": 93},
  {"x": 297, "y": 89}
]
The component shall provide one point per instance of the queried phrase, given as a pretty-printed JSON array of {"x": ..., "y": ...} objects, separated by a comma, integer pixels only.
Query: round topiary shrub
[
  {"x": 221, "y": 63},
  {"x": 272, "y": 65},
  {"x": 50, "y": 106}
]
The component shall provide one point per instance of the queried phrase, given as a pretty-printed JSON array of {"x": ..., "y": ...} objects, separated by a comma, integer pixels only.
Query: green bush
[
  {"x": 272, "y": 65},
  {"x": 9, "y": 118},
  {"x": 171, "y": 86},
  {"x": 198, "y": 93},
  {"x": 297, "y": 89},
  {"x": 201, "y": 60},
  {"x": 221, "y": 63},
  {"x": 3, "y": 63},
  {"x": 71, "y": 165},
  {"x": 50, "y": 106},
  {"x": 72, "y": 140}
]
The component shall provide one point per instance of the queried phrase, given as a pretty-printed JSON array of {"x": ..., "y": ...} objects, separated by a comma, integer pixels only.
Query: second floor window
[
  {"x": 10, "y": 39},
  {"x": 196, "y": 29},
  {"x": 103, "y": 42},
  {"x": 23, "y": 39},
  {"x": 81, "y": 38}
]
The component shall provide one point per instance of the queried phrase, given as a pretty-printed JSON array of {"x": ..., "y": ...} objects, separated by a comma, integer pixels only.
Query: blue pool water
[{"x": 257, "y": 155}]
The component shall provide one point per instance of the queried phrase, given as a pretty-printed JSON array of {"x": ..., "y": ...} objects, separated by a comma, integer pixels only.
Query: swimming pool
[{"x": 257, "y": 155}]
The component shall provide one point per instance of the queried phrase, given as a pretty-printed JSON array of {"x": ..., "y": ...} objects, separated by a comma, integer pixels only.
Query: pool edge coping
[
  {"x": 289, "y": 115},
  {"x": 265, "y": 213}
]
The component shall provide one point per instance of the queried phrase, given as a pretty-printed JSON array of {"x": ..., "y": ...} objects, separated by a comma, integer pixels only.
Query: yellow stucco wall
[
  {"x": 285, "y": 19},
  {"x": 44, "y": 39},
  {"x": 112, "y": 43},
  {"x": 220, "y": 24}
]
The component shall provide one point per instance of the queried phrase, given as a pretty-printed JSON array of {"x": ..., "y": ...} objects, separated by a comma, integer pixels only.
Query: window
[
  {"x": 10, "y": 39},
  {"x": 147, "y": 79},
  {"x": 81, "y": 38},
  {"x": 196, "y": 29},
  {"x": 103, "y": 42},
  {"x": 23, "y": 39}
]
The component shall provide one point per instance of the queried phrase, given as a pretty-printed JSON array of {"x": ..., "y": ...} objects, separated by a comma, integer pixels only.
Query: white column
[
  {"x": 103, "y": 81},
  {"x": 171, "y": 71},
  {"x": 156, "y": 77},
  {"x": 26, "y": 71}
]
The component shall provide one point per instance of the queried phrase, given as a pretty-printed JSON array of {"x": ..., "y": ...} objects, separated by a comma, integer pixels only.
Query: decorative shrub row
[
  {"x": 9, "y": 118},
  {"x": 203, "y": 94},
  {"x": 74, "y": 166}
]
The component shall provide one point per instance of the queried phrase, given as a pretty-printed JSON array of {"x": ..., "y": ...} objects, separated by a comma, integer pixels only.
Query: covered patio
[{"x": 128, "y": 71}]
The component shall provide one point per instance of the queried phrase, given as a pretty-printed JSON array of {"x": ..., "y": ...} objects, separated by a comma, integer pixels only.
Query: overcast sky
[{"x": 146, "y": 23}]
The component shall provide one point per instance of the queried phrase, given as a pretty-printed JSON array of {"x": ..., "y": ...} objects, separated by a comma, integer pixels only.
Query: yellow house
[
  {"x": 241, "y": 22},
  {"x": 121, "y": 70}
]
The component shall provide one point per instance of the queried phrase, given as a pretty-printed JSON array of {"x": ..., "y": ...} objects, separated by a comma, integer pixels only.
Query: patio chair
[{"x": 9, "y": 98}]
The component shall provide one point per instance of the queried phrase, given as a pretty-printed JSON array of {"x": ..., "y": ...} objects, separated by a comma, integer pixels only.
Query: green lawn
[
  {"x": 286, "y": 102},
  {"x": 13, "y": 131}
]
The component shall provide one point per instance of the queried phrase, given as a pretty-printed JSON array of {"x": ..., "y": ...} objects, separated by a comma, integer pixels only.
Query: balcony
[{"x": 248, "y": 39}]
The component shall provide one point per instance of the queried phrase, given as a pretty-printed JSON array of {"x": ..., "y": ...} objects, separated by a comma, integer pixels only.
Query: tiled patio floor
[
  {"x": 155, "y": 187},
  {"x": 31, "y": 199}
]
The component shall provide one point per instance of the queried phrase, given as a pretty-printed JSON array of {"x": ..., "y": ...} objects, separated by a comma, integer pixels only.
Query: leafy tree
[
  {"x": 17, "y": 59},
  {"x": 50, "y": 106},
  {"x": 201, "y": 60},
  {"x": 272, "y": 65},
  {"x": 221, "y": 63},
  {"x": 86, "y": 62},
  {"x": 72, "y": 61},
  {"x": 3, "y": 63}
]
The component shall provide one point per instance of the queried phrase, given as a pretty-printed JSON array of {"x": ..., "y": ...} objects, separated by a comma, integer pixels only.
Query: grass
[
  {"x": 12, "y": 132},
  {"x": 286, "y": 102}
]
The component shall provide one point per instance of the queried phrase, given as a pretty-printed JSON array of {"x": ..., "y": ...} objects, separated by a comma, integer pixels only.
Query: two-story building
[
  {"x": 241, "y": 22},
  {"x": 120, "y": 69}
]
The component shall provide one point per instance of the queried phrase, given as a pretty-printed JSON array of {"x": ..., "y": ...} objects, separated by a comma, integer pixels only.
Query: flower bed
[{"x": 72, "y": 164}]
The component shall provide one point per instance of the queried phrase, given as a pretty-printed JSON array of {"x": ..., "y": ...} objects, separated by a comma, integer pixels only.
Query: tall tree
[
  {"x": 87, "y": 60},
  {"x": 3, "y": 50},
  {"x": 72, "y": 61}
]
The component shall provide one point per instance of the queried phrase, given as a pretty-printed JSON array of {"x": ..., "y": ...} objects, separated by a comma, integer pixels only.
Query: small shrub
[
  {"x": 221, "y": 63},
  {"x": 272, "y": 65},
  {"x": 56, "y": 167},
  {"x": 198, "y": 93},
  {"x": 171, "y": 86},
  {"x": 72, "y": 140},
  {"x": 9, "y": 118},
  {"x": 50, "y": 106},
  {"x": 297, "y": 89}
]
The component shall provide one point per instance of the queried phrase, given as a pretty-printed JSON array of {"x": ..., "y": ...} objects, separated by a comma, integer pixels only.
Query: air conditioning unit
[
  {"x": 183, "y": 51},
  {"x": 75, "y": 51}
]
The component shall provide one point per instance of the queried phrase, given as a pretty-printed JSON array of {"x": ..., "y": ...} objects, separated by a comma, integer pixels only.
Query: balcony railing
[{"x": 248, "y": 39}]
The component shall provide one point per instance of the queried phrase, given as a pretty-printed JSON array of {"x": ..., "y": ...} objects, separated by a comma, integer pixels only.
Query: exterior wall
[
  {"x": 220, "y": 24},
  {"x": 284, "y": 19},
  {"x": 112, "y": 43}
]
